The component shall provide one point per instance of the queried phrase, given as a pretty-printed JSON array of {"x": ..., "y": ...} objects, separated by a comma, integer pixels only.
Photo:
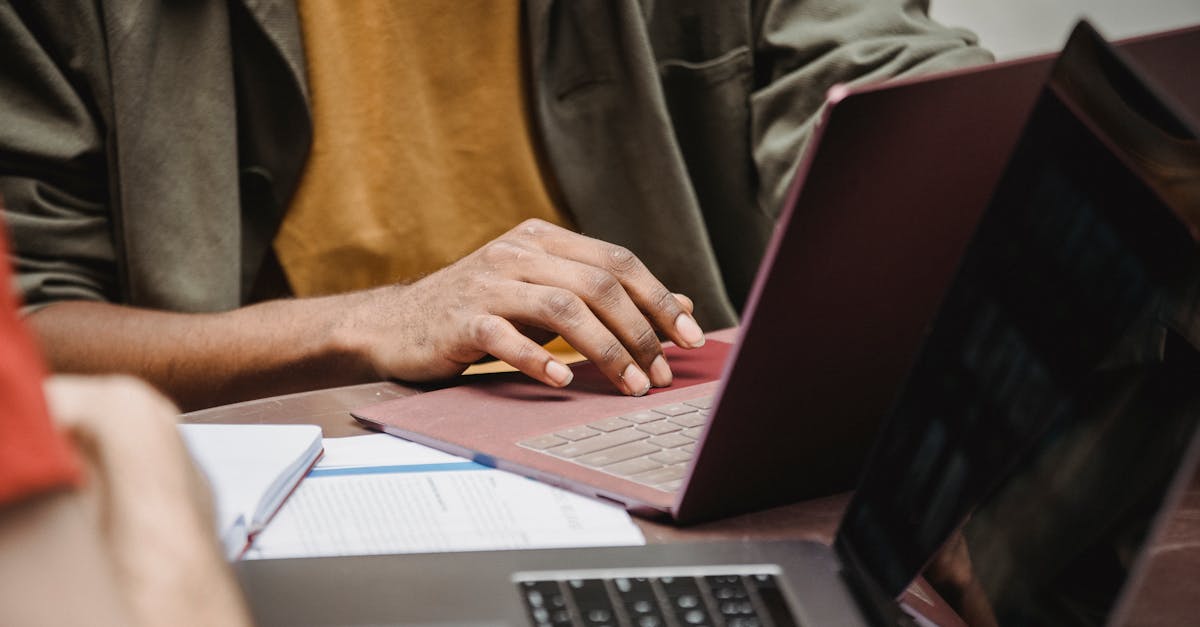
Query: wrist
[{"x": 351, "y": 342}]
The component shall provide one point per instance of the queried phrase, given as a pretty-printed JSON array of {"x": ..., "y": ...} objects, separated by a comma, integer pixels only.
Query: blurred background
[{"x": 1014, "y": 28}]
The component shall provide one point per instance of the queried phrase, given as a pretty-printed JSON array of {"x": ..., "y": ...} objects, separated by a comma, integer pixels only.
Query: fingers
[
  {"x": 600, "y": 297},
  {"x": 685, "y": 302},
  {"x": 565, "y": 313},
  {"x": 606, "y": 298},
  {"x": 499, "y": 338},
  {"x": 647, "y": 292}
]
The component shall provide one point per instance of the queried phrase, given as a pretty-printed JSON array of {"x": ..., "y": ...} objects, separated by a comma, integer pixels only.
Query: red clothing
[{"x": 34, "y": 456}]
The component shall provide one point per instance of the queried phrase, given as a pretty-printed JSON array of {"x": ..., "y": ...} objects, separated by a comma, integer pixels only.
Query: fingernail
[
  {"x": 559, "y": 374},
  {"x": 689, "y": 330},
  {"x": 636, "y": 383},
  {"x": 660, "y": 373}
]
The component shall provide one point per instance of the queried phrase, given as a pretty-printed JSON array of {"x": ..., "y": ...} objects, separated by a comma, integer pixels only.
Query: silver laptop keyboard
[
  {"x": 733, "y": 600},
  {"x": 651, "y": 447}
]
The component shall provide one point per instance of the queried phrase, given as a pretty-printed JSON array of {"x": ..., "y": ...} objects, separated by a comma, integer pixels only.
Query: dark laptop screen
[{"x": 1059, "y": 388}]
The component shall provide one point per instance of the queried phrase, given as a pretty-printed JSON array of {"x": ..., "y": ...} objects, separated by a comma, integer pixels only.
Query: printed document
[{"x": 376, "y": 494}]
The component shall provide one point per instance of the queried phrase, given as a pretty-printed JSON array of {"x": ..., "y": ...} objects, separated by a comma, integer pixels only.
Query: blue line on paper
[{"x": 390, "y": 470}]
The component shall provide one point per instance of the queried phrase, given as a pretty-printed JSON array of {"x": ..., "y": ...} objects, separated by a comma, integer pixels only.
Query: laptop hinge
[{"x": 877, "y": 606}]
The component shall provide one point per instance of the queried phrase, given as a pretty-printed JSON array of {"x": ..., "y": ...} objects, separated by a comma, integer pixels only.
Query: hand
[
  {"x": 952, "y": 573},
  {"x": 534, "y": 281},
  {"x": 152, "y": 506}
]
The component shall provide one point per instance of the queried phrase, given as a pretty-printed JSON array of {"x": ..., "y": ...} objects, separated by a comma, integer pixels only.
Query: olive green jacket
[{"x": 149, "y": 149}]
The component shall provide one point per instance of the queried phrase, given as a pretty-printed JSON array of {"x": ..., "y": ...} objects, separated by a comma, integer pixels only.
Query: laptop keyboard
[
  {"x": 719, "y": 600},
  {"x": 651, "y": 447}
]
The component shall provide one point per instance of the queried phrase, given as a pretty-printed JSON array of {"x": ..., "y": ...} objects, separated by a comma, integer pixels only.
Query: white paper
[
  {"x": 250, "y": 469},
  {"x": 378, "y": 494},
  {"x": 379, "y": 449}
]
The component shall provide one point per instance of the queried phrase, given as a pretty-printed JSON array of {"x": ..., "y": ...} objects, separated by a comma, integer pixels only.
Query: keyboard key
[
  {"x": 727, "y": 588},
  {"x": 618, "y": 454},
  {"x": 733, "y": 602},
  {"x": 686, "y": 600},
  {"x": 671, "y": 456},
  {"x": 543, "y": 442},
  {"x": 591, "y": 598},
  {"x": 694, "y": 432},
  {"x": 545, "y": 602},
  {"x": 633, "y": 466},
  {"x": 772, "y": 599},
  {"x": 610, "y": 424},
  {"x": 659, "y": 428},
  {"x": 670, "y": 440},
  {"x": 577, "y": 433},
  {"x": 736, "y": 608},
  {"x": 637, "y": 608},
  {"x": 637, "y": 596},
  {"x": 693, "y": 419},
  {"x": 662, "y": 475},
  {"x": 675, "y": 409},
  {"x": 598, "y": 443},
  {"x": 645, "y": 415},
  {"x": 701, "y": 403}
]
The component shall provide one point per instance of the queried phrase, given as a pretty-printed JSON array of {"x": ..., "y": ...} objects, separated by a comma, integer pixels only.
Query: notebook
[
  {"x": 879, "y": 215},
  {"x": 1050, "y": 418},
  {"x": 251, "y": 470}
]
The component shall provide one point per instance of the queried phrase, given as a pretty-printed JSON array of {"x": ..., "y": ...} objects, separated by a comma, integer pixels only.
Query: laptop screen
[{"x": 1056, "y": 394}]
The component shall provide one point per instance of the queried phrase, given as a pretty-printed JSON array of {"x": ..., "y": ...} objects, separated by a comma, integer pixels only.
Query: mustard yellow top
[{"x": 422, "y": 147}]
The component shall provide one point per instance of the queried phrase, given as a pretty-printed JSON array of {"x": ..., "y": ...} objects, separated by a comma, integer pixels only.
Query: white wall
[{"x": 1011, "y": 28}]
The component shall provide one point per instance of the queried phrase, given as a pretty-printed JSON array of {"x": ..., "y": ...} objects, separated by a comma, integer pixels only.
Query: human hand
[
  {"x": 152, "y": 505},
  {"x": 952, "y": 573},
  {"x": 534, "y": 281}
]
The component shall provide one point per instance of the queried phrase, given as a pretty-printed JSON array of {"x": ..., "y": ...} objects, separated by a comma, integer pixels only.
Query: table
[{"x": 1166, "y": 595}]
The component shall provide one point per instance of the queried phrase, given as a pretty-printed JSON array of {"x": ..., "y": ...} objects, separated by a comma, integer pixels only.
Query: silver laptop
[{"x": 1049, "y": 418}]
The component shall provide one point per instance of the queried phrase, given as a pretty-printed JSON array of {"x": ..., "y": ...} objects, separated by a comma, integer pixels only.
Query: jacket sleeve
[
  {"x": 53, "y": 172},
  {"x": 804, "y": 47}
]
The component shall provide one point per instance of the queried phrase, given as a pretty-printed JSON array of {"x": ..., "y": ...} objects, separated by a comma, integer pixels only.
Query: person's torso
[{"x": 422, "y": 147}]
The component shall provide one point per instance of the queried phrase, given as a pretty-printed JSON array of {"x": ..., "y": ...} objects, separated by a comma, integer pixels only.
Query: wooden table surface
[{"x": 1168, "y": 594}]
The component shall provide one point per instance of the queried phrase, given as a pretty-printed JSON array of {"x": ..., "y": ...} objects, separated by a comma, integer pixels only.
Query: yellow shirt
[{"x": 422, "y": 147}]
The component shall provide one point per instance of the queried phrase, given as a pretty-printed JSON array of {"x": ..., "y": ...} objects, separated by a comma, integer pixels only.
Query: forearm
[
  {"x": 202, "y": 360},
  {"x": 536, "y": 279},
  {"x": 47, "y": 548},
  {"x": 147, "y": 505}
]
